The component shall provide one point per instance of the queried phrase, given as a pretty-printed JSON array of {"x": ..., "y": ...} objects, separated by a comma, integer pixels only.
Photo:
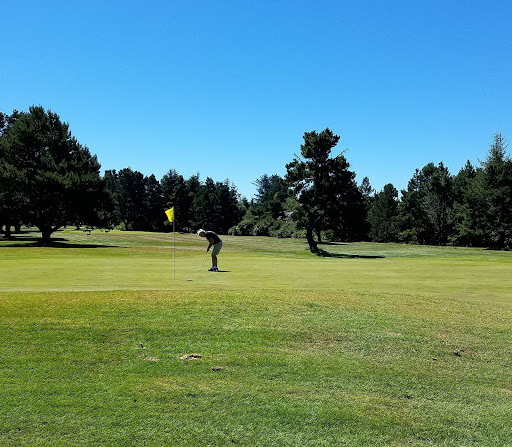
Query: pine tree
[
  {"x": 324, "y": 186},
  {"x": 53, "y": 180},
  {"x": 383, "y": 215}
]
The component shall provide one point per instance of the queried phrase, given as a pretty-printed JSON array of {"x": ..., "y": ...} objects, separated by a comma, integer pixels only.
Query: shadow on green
[
  {"x": 326, "y": 254},
  {"x": 28, "y": 242}
]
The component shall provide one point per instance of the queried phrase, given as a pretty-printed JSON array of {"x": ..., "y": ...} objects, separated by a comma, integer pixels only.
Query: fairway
[{"x": 369, "y": 345}]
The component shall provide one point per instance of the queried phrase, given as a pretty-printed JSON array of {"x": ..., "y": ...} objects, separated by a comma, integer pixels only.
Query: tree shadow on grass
[
  {"x": 332, "y": 243},
  {"x": 22, "y": 238},
  {"x": 58, "y": 242},
  {"x": 326, "y": 254}
]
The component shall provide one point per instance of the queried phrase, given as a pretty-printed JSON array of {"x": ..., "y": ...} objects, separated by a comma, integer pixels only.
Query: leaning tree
[{"x": 324, "y": 186}]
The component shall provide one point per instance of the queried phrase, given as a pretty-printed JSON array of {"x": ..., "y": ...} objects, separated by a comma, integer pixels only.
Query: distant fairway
[{"x": 373, "y": 345}]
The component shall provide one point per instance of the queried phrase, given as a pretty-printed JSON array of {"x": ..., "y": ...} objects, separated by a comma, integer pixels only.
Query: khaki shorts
[{"x": 216, "y": 248}]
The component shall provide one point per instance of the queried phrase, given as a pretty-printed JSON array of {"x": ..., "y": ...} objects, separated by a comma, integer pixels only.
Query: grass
[{"x": 385, "y": 345}]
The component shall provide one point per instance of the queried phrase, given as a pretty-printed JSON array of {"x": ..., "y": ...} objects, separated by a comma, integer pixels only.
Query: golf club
[{"x": 203, "y": 261}]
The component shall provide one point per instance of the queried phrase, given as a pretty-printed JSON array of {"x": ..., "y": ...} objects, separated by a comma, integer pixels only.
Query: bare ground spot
[
  {"x": 193, "y": 356},
  {"x": 466, "y": 352}
]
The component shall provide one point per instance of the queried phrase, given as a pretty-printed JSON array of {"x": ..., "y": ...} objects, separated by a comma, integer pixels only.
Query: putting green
[{"x": 142, "y": 261}]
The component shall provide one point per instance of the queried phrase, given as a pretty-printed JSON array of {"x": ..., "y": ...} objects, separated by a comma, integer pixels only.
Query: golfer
[{"x": 215, "y": 241}]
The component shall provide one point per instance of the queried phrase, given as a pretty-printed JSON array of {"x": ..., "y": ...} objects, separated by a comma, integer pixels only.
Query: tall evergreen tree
[
  {"x": 227, "y": 201},
  {"x": 193, "y": 186},
  {"x": 176, "y": 194},
  {"x": 367, "y": 192},
  {"x": 383, "y": 215},
  {"x": 497, "y": 184},
  {"x": 153, "y": 204},
  {"x": 204, "y": 206},
  {"x": 438, "y": 202},
  {"x": 271, "y": 195},
  {"x": 268, "y": 214},
  {"x": 468, "y": 206},
  {"x": 323, "y": 185},
  {"x": 13, "y": 200},
  {"x": 425, "y": 208},
  {"x": 110, "y": 210},
  {"x": 130, "y": 198},
  {"x": 55, "y": 176},
  {"x": 411, "y": 219},
  {"x": 215, "y": 206},
  {"x": 367, "y": 197}
]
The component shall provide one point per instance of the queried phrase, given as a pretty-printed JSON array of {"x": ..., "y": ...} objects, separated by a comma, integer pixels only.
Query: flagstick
[
  {"x": 170, "y": 216},
  {"x": 174, "y": 245}
]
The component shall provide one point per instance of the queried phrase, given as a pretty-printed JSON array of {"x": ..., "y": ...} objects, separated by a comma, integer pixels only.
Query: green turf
[
  {"x": 124, "y": 260},
  {"x": 375, "y": 345}
]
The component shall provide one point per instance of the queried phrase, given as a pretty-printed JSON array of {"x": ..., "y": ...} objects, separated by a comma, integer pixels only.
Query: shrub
[{"x": 244, "y": 228}]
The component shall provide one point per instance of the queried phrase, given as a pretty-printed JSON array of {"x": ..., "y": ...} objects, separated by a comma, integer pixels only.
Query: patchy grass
[{"x": 409, "y": 349}]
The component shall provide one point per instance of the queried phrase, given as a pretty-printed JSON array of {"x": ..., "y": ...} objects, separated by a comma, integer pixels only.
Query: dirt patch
[
  {"x": 190, "y": 356},
  {"x": 466, "y": 352}
]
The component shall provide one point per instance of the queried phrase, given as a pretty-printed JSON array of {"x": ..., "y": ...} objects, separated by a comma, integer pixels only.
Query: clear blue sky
[{"x": 228, "y": 88}]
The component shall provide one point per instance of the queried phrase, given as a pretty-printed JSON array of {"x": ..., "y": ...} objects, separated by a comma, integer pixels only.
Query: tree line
[
  {"x": 136, "y": 202},
  {"x": 471, "y": 208},
  {"x": 49, "y": 180}
]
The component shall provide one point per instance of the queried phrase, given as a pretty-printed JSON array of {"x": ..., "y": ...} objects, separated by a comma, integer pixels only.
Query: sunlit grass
[
  {"x": 124, "y": 260},
  {"x": 388, "y": 345},
  {"x": 82, "y": 368}
]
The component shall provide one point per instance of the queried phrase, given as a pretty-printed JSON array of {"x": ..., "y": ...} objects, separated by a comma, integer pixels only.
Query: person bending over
[{"x": 215, "y": 242}]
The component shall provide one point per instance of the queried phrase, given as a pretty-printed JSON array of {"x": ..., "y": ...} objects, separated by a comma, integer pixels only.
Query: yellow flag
[{"x": 170, "y": 214}]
